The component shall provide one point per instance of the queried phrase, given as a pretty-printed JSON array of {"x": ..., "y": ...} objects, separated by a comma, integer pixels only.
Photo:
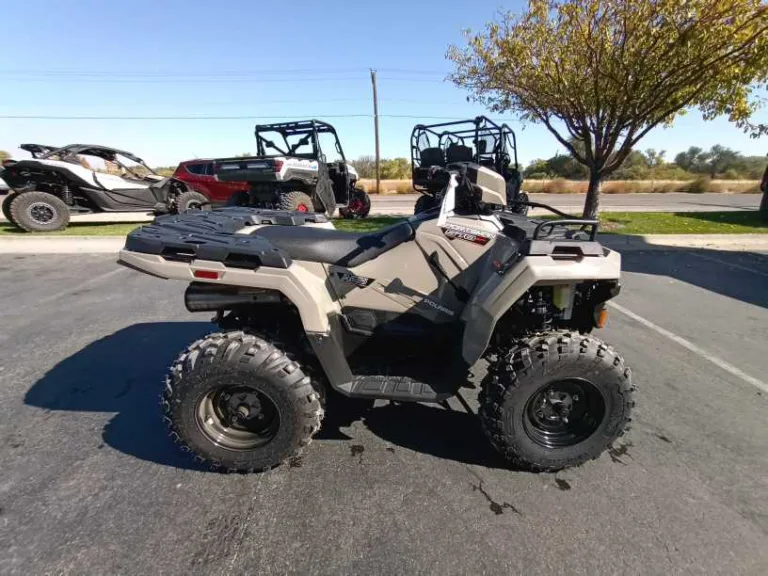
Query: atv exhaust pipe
[{"x": 200, "y": 297}]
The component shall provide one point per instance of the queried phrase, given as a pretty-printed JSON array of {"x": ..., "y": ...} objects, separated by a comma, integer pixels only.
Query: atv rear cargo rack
[{"x": 213, "y": 236}]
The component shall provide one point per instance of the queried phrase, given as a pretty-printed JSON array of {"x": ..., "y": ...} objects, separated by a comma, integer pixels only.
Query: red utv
[{"x": 200, "y": 176}]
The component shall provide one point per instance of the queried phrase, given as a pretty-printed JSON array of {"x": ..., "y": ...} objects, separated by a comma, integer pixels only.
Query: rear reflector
[
  {"x": 206, "y": 274},
  {"x": 278, "y": 165}
]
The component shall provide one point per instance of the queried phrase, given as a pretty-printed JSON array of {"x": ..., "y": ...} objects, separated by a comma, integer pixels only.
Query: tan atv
[{"x": 400, "y": 314}]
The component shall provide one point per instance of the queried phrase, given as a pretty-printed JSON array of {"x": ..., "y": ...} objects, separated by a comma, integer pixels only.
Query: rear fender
[{"x": 499, "y": 290}]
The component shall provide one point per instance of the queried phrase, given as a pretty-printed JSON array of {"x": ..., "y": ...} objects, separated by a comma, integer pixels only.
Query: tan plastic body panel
[
  {"x": 303, "y": 283},
  {"x": 402, "y": 279},
  {"x": 497, "y": 293}
]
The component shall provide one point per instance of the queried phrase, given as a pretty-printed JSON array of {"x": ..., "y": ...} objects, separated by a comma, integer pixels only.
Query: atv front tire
[
  {"x": 555, "y": 400},
  {"x": 191, "y": 200},
  {"x": 6, "y": 206},
  {"x": 296, "y": 202},
  {"x": 38, "y": 212},
  {"x": 240, "y": 403}
]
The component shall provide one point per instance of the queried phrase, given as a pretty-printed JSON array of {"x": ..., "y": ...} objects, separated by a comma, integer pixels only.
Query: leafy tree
[
  {"x": 395, "y": 169},
  {"x": 606, "y": 72},
  {"x": 692, "y": 160},
  {"x": 4, "y": 155},
  {"x": 365, "y": 166}
]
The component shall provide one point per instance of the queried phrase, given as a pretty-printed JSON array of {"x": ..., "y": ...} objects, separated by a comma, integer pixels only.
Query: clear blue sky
[{"x": 297, "y": 59}]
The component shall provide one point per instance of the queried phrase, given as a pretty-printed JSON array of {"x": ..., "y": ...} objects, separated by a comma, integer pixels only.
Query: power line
[{"x": 237, "y": 117}]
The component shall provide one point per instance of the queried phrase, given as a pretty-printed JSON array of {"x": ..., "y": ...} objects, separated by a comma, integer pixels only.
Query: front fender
[{"x": 496, "y": 292}]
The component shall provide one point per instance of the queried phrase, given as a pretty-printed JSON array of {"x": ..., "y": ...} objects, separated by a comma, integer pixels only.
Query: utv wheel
[
  {"x": 556, "y": 400},
  {"x": 296, "y": 202},
  {"x": 359, "y": 205},
  {"x": 38, "y": 212},
  {"x": 239, "y": 403},
  {"x": 239, "y": 199},
  {"x": 521, "y": 209},
  {"x": 191, "y": 200},
  {"x": 6, "y": 206},
  {"x": 423, "y": 204}
]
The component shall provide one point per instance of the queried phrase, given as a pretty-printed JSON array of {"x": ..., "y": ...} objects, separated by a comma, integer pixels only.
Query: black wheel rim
[
  {"x": 564, "y": 413},
  {"x": 41, "y": 212},
  {"x": 238, "y": 418}
]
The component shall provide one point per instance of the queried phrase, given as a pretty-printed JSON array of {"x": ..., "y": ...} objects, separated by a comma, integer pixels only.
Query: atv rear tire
[
  {"x": 6, "y": 206},
  {"x": 191, "y": 200},
  {"x": 296, "y": 202},
  {"x": 38, "y": 212},
  {"x": 359, "y": 205},
  {"x": 240, "y": 403},
  {"x": 555, "y": 400},
  {"x": 423, "y": 204}
]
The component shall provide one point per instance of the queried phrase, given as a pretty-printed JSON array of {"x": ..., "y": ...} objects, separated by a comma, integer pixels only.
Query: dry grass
[
  {"x": 387, "y": 186},
  {"x": 561, "y": 186}
]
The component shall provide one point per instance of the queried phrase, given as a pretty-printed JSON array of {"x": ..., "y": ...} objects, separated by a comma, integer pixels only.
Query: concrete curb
[
  {"x": 728, "y": 242},
  {"x": 61, "y": 244},
  {"x": 24, "y": 244}
]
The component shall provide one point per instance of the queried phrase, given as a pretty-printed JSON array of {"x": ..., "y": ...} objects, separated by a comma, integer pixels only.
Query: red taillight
[
  {"x": 278, "y": 165},
  {"x": 206, "y": 274}
]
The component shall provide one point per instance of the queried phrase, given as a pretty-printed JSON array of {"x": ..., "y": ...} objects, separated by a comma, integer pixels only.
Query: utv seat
[
  {"x": 458, "y": 153},
  {"x": 348, "y": 249},
  {"x": 431, "y": 157}
]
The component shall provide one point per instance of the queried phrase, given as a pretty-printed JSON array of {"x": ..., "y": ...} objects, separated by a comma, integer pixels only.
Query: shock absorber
[{"x": 66, "y": 195}]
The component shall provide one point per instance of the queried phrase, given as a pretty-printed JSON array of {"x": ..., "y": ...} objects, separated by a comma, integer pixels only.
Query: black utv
[{"x": 480, "y": 141}]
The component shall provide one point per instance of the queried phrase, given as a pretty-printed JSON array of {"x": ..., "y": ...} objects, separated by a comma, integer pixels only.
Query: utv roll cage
[
  {"x": 479, "y": 140},
  {"x": 308, "y": 130},
  {"x": 69, "y": 154}
]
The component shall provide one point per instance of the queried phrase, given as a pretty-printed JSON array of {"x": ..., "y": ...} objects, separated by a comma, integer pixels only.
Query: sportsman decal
[{"x": 480, "y": 237}]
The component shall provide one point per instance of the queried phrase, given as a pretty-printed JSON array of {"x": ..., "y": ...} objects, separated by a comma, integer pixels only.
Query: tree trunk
[
  {"x": 764, "y": 207},
  {"x": 764, "y": 201},
  {"x": 592, "y": 203}
]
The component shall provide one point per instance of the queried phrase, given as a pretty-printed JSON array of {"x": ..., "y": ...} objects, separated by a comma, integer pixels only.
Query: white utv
[
  {"x": 293, "y": 170},
  {"x": 83, "y": 178},
  {"x": 308, "y": 313}
]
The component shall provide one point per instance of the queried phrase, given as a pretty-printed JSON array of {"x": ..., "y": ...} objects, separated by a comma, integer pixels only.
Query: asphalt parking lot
[{"x": 91, "y": 484}]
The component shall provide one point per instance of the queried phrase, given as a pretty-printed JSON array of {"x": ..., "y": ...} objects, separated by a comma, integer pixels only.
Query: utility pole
[{"x": 376, "y": 128}]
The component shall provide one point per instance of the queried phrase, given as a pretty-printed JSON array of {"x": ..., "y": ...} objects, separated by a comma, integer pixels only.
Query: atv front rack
[{"x": 214, "y": 236}]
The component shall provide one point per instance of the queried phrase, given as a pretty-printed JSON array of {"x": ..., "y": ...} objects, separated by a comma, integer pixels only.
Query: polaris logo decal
[
  {"x": 463, "y": 233},
  {"x": 349, "y": 278},
  {"x": 438, "y": 307}
]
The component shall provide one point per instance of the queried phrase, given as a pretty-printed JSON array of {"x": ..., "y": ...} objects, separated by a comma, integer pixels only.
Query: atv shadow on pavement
[
  {"x": 123, "y": 373},
  {"x": 436, "y": 431}
]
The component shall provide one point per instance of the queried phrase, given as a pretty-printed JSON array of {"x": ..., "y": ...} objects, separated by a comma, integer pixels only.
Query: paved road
[
  {"x": 573, "y": 203},
  {"x": 90, "y": 484}
]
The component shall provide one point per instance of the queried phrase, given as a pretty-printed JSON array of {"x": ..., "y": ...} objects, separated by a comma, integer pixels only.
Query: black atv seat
[{"x": 348, "y": 249}]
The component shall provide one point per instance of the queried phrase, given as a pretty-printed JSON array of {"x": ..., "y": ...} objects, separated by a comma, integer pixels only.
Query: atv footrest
[{"x": 401, "y": 388}]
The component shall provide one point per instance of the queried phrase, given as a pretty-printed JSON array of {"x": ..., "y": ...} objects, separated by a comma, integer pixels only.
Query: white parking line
[
  {"x": 730, "y": 368},
  {"x": 729, "y": 264}
]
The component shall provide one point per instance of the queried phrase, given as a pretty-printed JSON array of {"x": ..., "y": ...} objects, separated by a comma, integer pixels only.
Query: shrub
[
  {"x": 557, "y": 186},
  {"x": 698, "y": 186}
]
